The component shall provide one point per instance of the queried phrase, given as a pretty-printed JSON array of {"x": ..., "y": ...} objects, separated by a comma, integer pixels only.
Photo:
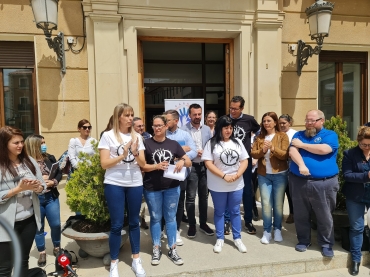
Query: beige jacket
[{"x": 278, "y": 159}]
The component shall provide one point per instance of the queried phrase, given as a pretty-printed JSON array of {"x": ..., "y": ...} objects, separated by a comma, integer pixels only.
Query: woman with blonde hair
[
  {"x": 49, "y": 202},
  {"x": 122, "y": 155}
]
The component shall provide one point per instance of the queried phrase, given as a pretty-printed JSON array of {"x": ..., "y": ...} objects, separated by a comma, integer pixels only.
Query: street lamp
[
  {"x": 319, "y": 16},
  {"x": 46, "y": 18}
]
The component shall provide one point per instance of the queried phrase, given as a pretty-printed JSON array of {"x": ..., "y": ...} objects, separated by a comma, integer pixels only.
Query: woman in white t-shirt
[
  {"x": 82, "y": 143},
  {"x": 271, "y": 150},
  {"x": 122, "y": 154},
  {"x": 226, "y": 160},
  {"x": 285, "y": 122}
]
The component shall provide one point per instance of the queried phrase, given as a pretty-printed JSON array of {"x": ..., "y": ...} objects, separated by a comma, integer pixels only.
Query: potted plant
[{"x": 85, "y": 194}]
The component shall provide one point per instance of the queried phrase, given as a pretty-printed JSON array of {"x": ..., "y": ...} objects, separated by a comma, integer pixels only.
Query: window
[{"x": 343, "y": 87}]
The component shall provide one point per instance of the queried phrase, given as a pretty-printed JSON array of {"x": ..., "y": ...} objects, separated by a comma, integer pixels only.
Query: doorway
[{"x": 184, "y": 70}]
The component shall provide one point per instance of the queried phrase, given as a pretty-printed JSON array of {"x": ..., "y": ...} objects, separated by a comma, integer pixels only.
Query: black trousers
[
  {"x": 320, "y": 197},
  {"x": 26, "y": 231}
]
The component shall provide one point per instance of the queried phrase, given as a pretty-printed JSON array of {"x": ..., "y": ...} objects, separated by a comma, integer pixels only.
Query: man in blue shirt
[
  {"x": 184, "y": 139},
  {"x": 314, "y": 181},
  {"x": 138, "y": 125}
]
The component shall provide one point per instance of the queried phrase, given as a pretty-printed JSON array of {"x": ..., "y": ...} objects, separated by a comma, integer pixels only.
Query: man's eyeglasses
[
  {"x": 364, "y": 145},
  {"x": 234, "y": 109},
  {"x": 158, "y": 126},
  {"x": 86, "y": 127},
  {"x": 312, "y": 121}
]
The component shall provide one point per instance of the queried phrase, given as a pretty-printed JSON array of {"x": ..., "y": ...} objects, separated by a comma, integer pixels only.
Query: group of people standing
[{"x": 218, "y": 159}]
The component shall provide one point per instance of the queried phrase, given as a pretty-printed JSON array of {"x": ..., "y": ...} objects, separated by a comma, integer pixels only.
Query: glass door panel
[
  {"x": 172, "y": 73},
  {"x": 352, "y": 97},
  {"x": 18, "y": 99},
  {"x": 327, "y": 94}
]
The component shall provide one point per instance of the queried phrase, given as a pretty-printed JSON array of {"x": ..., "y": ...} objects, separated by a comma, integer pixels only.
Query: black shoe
[
  {"x": 143, "y": 224},
  {"x": 172, "y": 254},
  {"x": 156, "y": 257},
  {"x": 184, "y": 218},
  {"x": 56, "y": 251},
  {"x": 250, "y": 228},
  {"x": 227, "y": 228},
  {"x": 355, "y": 268},
  {"x": 205, "y": 229},
  {"x": 255, "y": 214},
  {"x": 192, "y": 232},
  {"x": 41, "y": 262}
]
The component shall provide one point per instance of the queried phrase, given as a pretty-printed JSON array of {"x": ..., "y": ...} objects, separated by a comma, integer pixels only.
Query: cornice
[{"x": 110, "y": 18}]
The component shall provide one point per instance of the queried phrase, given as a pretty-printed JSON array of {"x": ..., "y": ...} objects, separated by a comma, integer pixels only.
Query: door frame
[{"x": 229, "y": 65}]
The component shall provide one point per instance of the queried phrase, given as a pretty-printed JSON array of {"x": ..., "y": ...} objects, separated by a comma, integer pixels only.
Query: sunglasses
[{"x": 86, "y": 127}]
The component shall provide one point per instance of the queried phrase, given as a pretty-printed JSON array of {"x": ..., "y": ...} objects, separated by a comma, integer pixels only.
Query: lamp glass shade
[
  {"x": 45, "y": 13},
  {"x": 319, "y": 23}
]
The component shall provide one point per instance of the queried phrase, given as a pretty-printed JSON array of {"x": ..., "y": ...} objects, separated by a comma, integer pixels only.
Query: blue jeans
[
  {"x": 163, "y": 203},
  {"x": 356, "y": 212},
  {"x": 248, "y": 193},
  {"x": 115, "y": 196},
  {"x": 49, "y": 208},
  {"x": 272, "y": 188},
  {"x": 231, "y": 201}
]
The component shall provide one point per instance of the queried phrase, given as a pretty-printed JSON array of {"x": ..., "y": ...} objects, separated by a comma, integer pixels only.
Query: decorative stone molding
[
  {"x": 105, "y": 18},
  {"x": 269, "y": 19}
]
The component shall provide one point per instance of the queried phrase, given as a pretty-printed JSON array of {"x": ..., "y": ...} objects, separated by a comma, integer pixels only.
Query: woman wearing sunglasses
[{"x": 82, "y": 143}]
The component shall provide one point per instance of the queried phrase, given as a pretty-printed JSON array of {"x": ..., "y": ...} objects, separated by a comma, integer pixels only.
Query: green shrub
[
  {"x": 85, "y": 189},
  {"x": 339, "y": 126}
]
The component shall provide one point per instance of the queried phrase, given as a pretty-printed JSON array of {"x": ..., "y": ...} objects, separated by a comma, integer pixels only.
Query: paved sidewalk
[{"x": 275, "y": 259}]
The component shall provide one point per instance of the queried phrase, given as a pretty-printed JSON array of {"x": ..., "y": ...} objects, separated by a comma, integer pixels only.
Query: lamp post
[
  {"x": 46, "y": 18},
  {"x": 319, "y": 17}
]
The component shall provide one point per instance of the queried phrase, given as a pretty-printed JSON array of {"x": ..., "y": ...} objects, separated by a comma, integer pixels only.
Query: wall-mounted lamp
[
  {"x": 319, "y": 17},
  {"x": 46, "y": 18}
]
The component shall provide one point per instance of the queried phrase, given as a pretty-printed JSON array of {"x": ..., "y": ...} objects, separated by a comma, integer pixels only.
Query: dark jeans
[
  {"x": 248, "y": 193},
  {"x": 180, "y": 206},
  {"x": 356, "y": 212},
  {"x": 197, "y": 180},
  {"x": 289, "y": 196},
  {"x": 116, "y": 196},
  {"x": 50, "y": 209},
  {"x": 320, "y": 197},
  {"x": 26, "y": 230}
]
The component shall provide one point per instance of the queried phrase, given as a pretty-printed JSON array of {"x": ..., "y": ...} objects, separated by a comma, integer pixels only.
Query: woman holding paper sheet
[
  {"x": 49, "y": 202},
  {"x": 161, "y": 193},
  {"x": 226, "y": 160}
]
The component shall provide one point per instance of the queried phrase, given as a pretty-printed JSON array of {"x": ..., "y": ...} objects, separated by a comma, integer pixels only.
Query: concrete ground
[{"x": 275, "y": 259}]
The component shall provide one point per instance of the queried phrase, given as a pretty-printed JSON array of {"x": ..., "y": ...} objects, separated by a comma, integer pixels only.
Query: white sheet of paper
[{"x": 177, "y": 176}]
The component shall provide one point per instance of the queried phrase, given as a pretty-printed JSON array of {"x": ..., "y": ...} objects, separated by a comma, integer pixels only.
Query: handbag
[
  {"x": 54, "y": 192},
  {"x": 366, "y": 196}
]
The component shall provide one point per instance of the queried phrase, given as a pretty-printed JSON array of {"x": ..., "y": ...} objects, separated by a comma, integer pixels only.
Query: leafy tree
[
  {"x": 340, "y": 127},
  {"x": 85, "y": 189}
]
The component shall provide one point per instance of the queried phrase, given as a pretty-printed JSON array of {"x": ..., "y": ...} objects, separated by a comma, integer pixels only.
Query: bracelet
[
  {"x": 135, "y": 155},
  {"x": 224, "y": 176}
]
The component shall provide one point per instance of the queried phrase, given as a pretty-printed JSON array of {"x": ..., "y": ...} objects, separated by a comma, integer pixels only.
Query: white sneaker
[
  {"x": 266, "y": 238},
  {"x": 218, "y": 246},
  {"x": 240, "y": 245},
  {"x": 179, "y": 241},
  {"x": 114, "y": 269},
  {"x": 277, "y": 236},
  {"x": 137, "y": 267}
]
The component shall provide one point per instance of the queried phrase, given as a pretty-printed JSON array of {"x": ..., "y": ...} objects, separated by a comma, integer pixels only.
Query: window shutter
[{"x": 17, "y": 54}]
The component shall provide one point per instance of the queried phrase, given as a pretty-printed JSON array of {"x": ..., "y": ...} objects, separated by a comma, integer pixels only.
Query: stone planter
[{"x": 94, "y": 244}]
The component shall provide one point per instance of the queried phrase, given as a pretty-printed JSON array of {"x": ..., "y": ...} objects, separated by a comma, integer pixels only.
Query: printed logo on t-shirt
[
  {"x": 239, "y": 132},
  {"x": 229, "y": 157},
  {"x": 130, "y": 157},
  {"x": 162, "y": 155},
  {"x": 317, "y": 140}
]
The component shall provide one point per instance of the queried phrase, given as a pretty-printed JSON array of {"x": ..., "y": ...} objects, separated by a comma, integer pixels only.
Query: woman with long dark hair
[
  {"x": 226, "y": 160},
  {"x": 20, "y": 181},
  {"x": 122, "y": 154},
  {"x": 49, "y": 201},
  {"x": 271, "y": 150}
]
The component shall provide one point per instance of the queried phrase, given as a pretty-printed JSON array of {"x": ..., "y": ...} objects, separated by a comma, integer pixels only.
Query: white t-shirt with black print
[
  {"x": 226, "y": 156},
  {"x": 126, "y": 173}
]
